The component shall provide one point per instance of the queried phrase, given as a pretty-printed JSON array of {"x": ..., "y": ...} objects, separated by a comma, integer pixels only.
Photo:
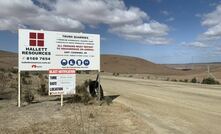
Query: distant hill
[
  {"x": 124, "y": 64},
  {"x": 8, "y": 59}
]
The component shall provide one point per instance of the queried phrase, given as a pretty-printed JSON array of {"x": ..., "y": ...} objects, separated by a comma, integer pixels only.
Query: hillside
[
  {"x": 121, "y": 64},
  {"x": 109, "y": 63},
  {"x": 8, "y": 59},
  {"x": 126, "y": 64}
]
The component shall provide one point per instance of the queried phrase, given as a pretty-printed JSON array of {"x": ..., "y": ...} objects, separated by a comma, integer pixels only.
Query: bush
[
  {"x": 40, "y": 76},
  {"x": 26, "y": 82},
  {"x": 82, "y": 89},
  {"x": 186, "y": 80},
  {"x": 209, "y": 80},
  {"x": 28, "y": 96},
  {"x": 78, "y": 72},
  {"x": 74, "y": 99},
  {"x": 14, "y": 85},
  {"x": 130, "y": 76},
  {"x": 26, "y": 74},
  {"x": 2, "y": 70},
  {"x": 14, "y": 71},
  {"x": 4, "y": 80},
  {"x": 87, "y": 71},
  {"x": 174, "y": 80},
  {"x": 43, "y": 90},
  {"x": 35, "y": 73},
  {"x": 10, "y": 75},
  {"x": 82, "y": 94},
  {"x": 116, "y": 74},
  {"x": 194, "y": 80}
]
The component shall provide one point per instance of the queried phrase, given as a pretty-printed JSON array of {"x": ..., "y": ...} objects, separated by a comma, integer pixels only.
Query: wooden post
[
  {"x": 19, "y": 88},
  {"x": 61, "y": 99},
  {"x": 99, "y": 90}
]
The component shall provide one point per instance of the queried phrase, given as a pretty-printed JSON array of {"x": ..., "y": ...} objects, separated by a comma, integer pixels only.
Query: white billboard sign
[
  {"x": 41, "y": 50},
  {"x": 62, "y": 81}
]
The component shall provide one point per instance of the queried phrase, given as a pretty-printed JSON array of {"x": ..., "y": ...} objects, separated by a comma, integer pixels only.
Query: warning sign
[{"x": 62, "y": 81}]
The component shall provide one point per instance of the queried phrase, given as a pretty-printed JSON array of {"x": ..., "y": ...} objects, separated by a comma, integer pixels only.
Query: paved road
[{"x": 170, "y": 107}]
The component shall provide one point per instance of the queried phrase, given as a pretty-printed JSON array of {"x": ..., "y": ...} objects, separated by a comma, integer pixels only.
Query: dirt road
[{"x": 170, "y": 107}]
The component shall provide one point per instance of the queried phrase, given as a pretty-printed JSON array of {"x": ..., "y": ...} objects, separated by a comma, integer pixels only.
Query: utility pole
[{"x": 208, "y": 70}]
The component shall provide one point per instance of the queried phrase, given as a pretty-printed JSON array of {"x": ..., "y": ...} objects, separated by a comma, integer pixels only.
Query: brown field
[{"x": 45, "y": 115}]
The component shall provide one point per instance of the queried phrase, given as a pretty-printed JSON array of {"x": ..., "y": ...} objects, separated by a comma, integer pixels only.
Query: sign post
[
  {"x": 99, "y": 89},
  {"x": 62, "y": 99},
  {"x": 19, "y": 89}
]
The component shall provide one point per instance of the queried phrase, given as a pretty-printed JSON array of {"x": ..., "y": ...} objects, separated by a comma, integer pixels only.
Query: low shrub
[
  {"x": 28, "y": 96},
  {"x": 43, "y": 90},
  {"x": 185, "y": 80},
  {"x": 130, "y": 75},
  {"x": 26, "y": 82},
  {"x": 194, "y": 80},
  {"x": 14, "y": 85},
  {"x": 26, "y": 74},
  {"x": 174, "y": 80},
  {"x": 2, "y": 70},
  {"x": 14, "y": 71},
  {"x": 209, "y": 80},
  {"x": 116, "y": 74}
]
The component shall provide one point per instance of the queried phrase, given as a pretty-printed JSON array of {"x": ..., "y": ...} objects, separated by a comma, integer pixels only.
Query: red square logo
[
  {"x": 40, "y": 35},
  {"x": 32, "y": 35},
  {"x": 36, "y": 39},
  {"x": 32, "y": 42},
  {"x": 40, "y": 43}
]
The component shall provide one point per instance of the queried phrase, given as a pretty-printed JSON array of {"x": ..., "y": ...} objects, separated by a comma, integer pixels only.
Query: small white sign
[
  {"x": 40, "y": 50},
  {"x": 62, "y": 81}
]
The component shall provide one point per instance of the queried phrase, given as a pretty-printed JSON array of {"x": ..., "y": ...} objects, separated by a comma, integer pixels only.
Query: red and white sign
[
  {"x": 62, "y": 81},
  {"x": 62, "y": 71},
  {"x": 41, "y": 50}
]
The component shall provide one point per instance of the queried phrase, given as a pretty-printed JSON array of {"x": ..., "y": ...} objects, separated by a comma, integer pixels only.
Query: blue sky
[{"x": 162, "y": 31}]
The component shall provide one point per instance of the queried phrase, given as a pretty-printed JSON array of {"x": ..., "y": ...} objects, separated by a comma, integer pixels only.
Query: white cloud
[
  {"x": 170, "y": 19},
  {"x": 198, "y": 15},
  {"x": 147, "y": 33},
  {"x": 217, "y": 52},
  {"x": 164, "y": 12},
  {"x": 72, "y": 15},
  {"x": 152, "y": 29},
  {"x": 213, "y": 22},
  {"x": 157, "y": 41},
  {"x": 21, "y": 14},
  {"x": 195, "y": 44}
]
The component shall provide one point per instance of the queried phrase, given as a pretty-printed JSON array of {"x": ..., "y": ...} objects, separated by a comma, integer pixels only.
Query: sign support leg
[
  {"x": 61, "y": 99},
  {"x": 99, "y": 90},
  {"x": 19, "y": 88}
]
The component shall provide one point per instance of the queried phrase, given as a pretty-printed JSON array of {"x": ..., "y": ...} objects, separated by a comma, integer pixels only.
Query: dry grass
[{"x": 48, "y": 117}]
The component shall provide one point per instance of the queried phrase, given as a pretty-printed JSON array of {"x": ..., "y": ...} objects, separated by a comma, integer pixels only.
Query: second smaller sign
[{"x": 62, "y": 81}]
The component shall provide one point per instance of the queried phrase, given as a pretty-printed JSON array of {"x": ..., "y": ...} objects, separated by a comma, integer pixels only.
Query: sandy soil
[
  {"x": 48, "y": 117},
  {"x": 170, "y": 107},
  {"x": 152, "y": 107}
]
